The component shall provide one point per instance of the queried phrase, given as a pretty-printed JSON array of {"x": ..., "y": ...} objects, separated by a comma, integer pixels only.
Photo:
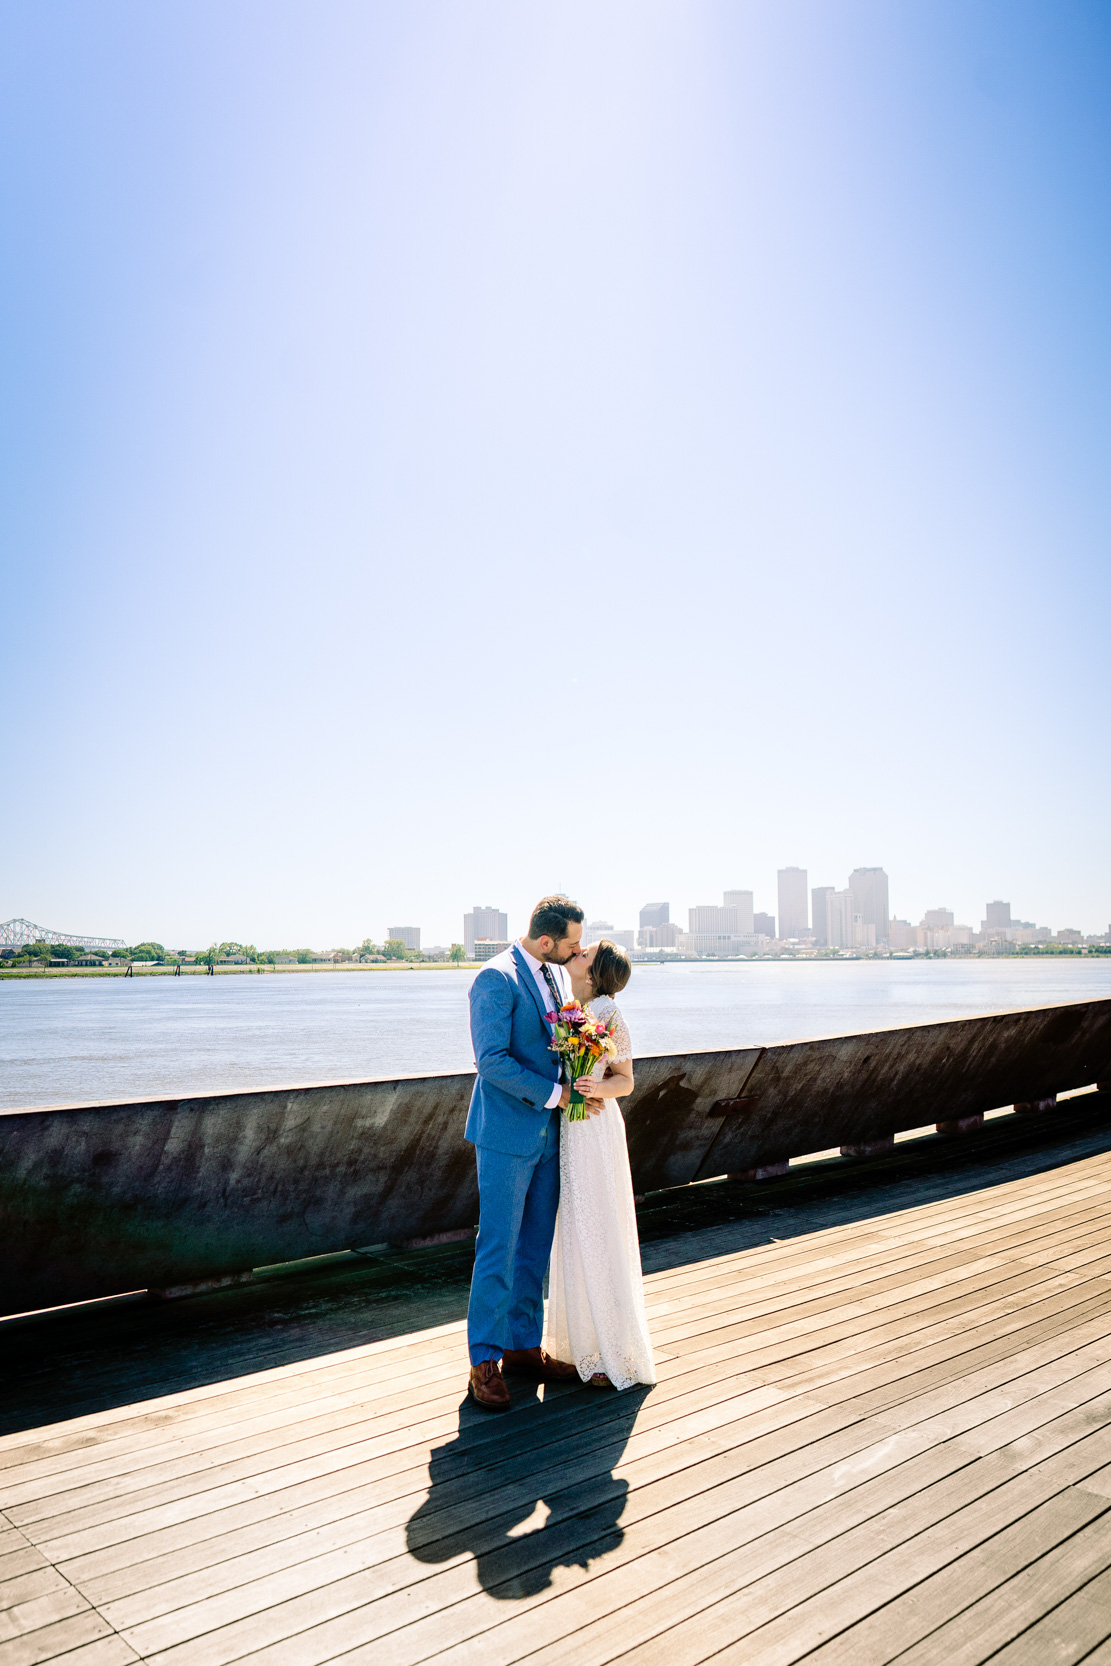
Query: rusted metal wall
[{"x": 100, "y": 1199}]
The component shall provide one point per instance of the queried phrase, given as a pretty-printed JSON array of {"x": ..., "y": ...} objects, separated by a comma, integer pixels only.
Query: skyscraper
[
  {"x": 870, "y": 901},
  {"x": 483, "y": 922},
  {"x": 655, "y": 914},
  {"x": 409, "y": 935},
  {"x": 742, "y": 902},
  {"x": 657, "y": 937},
  {"x": 764, "y": 924},
  {"x": 819, "y": 913},
  {"x": 998, "y": 913},
  {"x": 839, "y": 912},
  {"x": 712, "y": 930},
  {"x": 793, "y": 921},
  {"x": 709, "y": 918}
]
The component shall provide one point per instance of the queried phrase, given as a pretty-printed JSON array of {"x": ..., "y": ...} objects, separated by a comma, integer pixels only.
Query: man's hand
[{"x": 565, "y": 1097}]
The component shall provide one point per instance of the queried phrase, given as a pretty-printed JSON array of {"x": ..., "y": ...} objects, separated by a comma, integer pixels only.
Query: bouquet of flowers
[{"x": 581, "y": 1040}]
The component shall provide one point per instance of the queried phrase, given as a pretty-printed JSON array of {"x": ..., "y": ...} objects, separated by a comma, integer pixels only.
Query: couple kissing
[{"x": 550, "y": 1188}]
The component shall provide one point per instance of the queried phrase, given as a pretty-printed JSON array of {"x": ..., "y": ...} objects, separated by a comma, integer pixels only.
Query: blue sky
[{"x": 452, "y": 450}]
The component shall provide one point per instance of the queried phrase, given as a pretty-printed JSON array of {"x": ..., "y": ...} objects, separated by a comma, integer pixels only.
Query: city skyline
[{"x": 838, "y": 917}]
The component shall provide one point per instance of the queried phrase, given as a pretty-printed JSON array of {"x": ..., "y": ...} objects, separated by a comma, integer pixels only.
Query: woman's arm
[{"x": 615, "y": 1084}]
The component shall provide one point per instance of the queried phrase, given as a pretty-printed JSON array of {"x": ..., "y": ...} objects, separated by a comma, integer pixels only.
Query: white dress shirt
[{"x": 563, "y": 983}]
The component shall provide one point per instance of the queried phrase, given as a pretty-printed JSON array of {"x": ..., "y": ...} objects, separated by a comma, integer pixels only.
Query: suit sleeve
[{"x": 491, "y": 1030}]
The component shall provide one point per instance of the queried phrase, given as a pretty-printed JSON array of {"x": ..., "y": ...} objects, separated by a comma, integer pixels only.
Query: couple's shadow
[{"x": 531, "y": 1490}]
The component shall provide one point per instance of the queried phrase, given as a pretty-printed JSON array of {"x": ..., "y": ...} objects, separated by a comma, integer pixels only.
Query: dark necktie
[{"x": 557, "y": 998}]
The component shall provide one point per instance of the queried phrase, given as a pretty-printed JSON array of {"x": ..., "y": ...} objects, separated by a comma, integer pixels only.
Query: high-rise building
[
  {"x": 793, "y": 921},
  {"x": 870, "y": 900},
  {"x": 709, "y": 918},
  {"x": 624, "y": 939},
  {"x": 819, "y": 913},
  {"x": 487, "y": 923},
  {"x": 839, "y": 917},
  {"x": 713, "y": 930},
  {"x": 659, "y": 937},
  {"x": 596, "y": 930},
  {"x": 997, "y": 914},
  {"x": 655, "y": 914},
  {"x": 764, "y": 925},
  {"x": 742, "y": 902},
  {"x": 935, "y": 918},
  {"x": 409, "y": 935}
]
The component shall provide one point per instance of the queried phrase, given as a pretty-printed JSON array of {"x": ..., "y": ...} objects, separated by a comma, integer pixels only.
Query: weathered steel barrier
[{"x": 100, "y": 1199}]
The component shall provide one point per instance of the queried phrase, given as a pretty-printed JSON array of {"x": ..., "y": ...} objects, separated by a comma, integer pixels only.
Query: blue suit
[{"x": 516, "y": 1141}]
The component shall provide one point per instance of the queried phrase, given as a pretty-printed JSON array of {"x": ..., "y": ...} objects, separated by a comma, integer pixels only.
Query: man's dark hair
[{"x": 551, "y": 916}]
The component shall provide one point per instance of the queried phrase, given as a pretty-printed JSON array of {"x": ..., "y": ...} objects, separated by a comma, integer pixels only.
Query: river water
[{"x": 71, "y": 1040}]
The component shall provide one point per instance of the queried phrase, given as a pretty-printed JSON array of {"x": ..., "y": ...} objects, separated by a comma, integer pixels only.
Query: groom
[{"x": 513, "y": 1125}]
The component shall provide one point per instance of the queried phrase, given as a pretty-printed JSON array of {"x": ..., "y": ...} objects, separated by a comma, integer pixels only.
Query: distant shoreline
[{"x": 150, "y": 969}]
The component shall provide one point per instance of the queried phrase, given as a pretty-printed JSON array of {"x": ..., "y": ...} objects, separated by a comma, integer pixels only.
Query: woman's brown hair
[{"x": 611, "y": 969}]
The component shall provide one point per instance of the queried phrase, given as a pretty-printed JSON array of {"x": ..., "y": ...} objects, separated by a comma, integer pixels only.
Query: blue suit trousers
[{"x": 518, "y": 1199}]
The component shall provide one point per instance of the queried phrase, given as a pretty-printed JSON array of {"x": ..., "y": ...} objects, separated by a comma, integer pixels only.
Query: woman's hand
[{"x": 593, "y": 1087}]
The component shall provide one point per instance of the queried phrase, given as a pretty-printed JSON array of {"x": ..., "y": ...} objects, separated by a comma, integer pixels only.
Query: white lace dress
[{"x": 596, "y": 1316}]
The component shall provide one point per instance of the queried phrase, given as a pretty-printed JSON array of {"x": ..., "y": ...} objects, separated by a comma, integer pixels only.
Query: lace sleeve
[{"x": 622, "y": 1038}]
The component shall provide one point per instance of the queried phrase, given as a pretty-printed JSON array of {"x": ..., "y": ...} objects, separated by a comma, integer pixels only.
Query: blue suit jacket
[{"x": 512, "y": 1050}]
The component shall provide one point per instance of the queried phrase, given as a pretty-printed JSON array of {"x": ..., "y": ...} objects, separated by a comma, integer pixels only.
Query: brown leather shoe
[
  {"x": 486, "y": 1386},
  {"x": 535, "y": 1363}
]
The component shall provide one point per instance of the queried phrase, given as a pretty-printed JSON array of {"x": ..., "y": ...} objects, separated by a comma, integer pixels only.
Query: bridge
[
  {"x": 881, "y": 1434},
  {"x": 16, "y": 934}
]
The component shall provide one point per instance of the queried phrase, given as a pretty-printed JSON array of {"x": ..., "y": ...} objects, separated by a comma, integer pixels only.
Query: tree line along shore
[{"x": 152, "y": 959}]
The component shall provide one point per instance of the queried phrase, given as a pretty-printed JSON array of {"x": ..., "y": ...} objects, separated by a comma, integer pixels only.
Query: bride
[{"x": 596, "y": 1311}]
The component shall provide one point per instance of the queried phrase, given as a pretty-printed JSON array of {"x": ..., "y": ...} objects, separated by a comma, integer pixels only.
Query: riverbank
[{"x": 147, "y": 969}]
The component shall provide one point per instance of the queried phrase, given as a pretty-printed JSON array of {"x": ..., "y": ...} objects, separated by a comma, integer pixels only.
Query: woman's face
[{"x": 582, "y": 983}]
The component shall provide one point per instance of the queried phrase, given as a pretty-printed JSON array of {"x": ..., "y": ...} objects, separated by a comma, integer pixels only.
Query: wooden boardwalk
[{"x": 887, "y": 1439}]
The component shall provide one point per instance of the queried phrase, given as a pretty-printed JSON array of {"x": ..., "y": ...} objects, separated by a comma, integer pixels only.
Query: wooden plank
[
  {"x": 816, "y": 1580},
  {"x": 1080, "y": 1624},
  {"x": 22, "y": 1589},
  {"x": 745, "y": 1298},
  {"x": 35, "y": 1642},
  {"x": 107, "y": 1651},
  {"x": 655, "y": 1629},
  {"x": 801, "y": 1256},
  {"x": 566, "y": 1476},
  {"x": 785, "y": 1264},
  {"x": 398, "y": 1349},
  {"x": 100, "y": 1515},
  {"x": 780, "y": 1572},
  {"x": 869, "y": 1318},
  {"x": 810, "y": 1254},
  {"x": 193, "y": 1433},
  {"x": 851, "y": 1310},
  {"x": 702, "y": 1513},
  {"x": 964, "y": 1632},
  {"x": 987, "y": 1317},
  {"x": 802, "y": 1627}
]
